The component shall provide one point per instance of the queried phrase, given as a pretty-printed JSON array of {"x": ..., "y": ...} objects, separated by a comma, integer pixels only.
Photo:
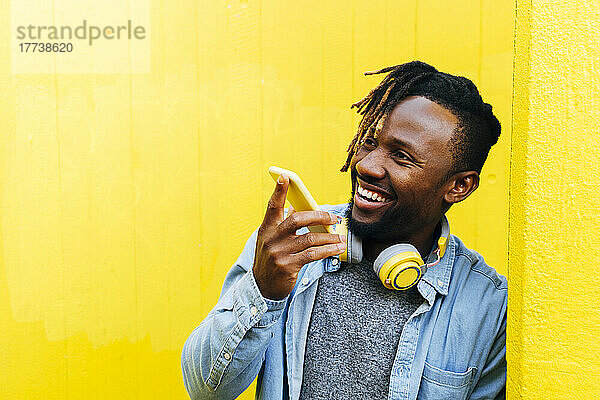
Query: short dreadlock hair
[{"x": 477, "y": 131}]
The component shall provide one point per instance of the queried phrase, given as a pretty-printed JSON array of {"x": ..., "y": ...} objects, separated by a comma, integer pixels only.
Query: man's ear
[{"x": 461, "y": 185}]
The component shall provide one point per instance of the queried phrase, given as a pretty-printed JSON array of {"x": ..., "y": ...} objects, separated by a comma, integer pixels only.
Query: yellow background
[
  {"x": 553, "y": 315},
  {"x": 125, "y": 198}
]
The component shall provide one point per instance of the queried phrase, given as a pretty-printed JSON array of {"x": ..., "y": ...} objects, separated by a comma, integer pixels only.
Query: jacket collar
[{"x": 438, "y": 276}]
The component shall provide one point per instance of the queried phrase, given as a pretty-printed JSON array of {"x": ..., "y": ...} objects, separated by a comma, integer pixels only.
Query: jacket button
[
  {"x": 253, "y": 310},
  {"x": 335, "y": 261},
  {"x": 227, "y": 356},
  {"x": 305, "y": 281}
]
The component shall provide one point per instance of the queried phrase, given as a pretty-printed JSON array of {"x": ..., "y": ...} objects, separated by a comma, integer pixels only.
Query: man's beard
[{"x": 395, "y": 223}]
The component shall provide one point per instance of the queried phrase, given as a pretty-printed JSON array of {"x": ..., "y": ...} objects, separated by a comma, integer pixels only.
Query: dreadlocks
[{"x": 478, "y": 129}]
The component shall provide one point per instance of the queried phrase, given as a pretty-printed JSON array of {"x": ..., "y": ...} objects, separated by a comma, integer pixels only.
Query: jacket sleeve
[{"x": 224, "y": 354}]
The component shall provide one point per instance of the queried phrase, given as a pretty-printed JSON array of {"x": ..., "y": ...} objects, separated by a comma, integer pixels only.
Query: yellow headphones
[{"x": 399, "y": 266}]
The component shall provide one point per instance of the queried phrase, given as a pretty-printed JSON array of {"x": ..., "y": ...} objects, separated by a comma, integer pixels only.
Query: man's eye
[
  {"x": 369, "y": 142},
  {"x": 402, "y": 156}
]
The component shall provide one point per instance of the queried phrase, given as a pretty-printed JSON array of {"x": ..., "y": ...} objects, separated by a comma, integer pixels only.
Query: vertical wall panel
[{"x": 552, "y": 342}]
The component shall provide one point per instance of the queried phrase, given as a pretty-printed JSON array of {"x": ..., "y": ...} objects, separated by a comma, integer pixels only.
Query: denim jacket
[{"x": 452, "y": 346}]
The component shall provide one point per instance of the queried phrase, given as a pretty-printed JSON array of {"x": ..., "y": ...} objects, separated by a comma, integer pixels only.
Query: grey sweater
[{"x": 353, "y": 335}]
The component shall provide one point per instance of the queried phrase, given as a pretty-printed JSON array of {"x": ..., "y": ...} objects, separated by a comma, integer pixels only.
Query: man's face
[{"x": 404, "y": 167}]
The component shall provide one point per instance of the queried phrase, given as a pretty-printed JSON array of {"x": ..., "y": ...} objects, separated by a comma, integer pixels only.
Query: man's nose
[{"x": 372, "y": 165}]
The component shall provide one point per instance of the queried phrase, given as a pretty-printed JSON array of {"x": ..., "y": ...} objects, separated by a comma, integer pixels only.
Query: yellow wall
[
  {"x": 126, "y": 197},
  {"x": 554, "y": 318}
]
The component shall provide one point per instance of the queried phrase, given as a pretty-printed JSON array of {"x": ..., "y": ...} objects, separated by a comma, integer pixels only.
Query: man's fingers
[
  {"x": 319, "y": 252},
  {"x": 300, "y": 219},
  {"x": 311, "y": 239},
  {"x": 291, "y": 210},
  {"x": 274, "y": 213}
]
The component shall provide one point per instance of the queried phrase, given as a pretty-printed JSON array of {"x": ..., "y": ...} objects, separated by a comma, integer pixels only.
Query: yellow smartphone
[{"x": 299, "y": 196}]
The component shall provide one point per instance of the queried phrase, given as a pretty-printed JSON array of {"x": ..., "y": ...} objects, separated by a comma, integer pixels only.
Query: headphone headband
[{"x": 444, "y": 235}]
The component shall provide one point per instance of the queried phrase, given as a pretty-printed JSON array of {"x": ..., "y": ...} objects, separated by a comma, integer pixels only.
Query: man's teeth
[{"x": 371, "y": 195}]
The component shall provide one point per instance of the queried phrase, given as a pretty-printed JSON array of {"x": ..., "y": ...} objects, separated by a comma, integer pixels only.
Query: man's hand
[{"x": 280, "y": 253}]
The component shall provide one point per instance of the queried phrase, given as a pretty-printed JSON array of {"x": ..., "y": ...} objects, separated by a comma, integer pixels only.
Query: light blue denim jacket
[{"x": 452, "y": 347}]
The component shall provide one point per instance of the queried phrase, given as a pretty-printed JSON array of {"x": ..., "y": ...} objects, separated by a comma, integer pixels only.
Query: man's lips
[
  {"x": 364, "y": 204},
  {"x": 374, "y": 189},
  {"x": 369, "y": 197}
]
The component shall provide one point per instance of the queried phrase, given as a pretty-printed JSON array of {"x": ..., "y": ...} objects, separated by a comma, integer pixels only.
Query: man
[{"x": 311, "y": 327}]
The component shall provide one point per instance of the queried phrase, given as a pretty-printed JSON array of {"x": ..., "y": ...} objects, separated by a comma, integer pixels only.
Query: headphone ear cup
[
  {"x": 399, "y": 267},
  {"x": 353, "y": 253},
  {"x": 355, "y": 250}
]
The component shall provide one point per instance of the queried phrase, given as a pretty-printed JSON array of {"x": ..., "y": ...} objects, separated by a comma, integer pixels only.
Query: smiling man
[{"x": 312, "y": 327}]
